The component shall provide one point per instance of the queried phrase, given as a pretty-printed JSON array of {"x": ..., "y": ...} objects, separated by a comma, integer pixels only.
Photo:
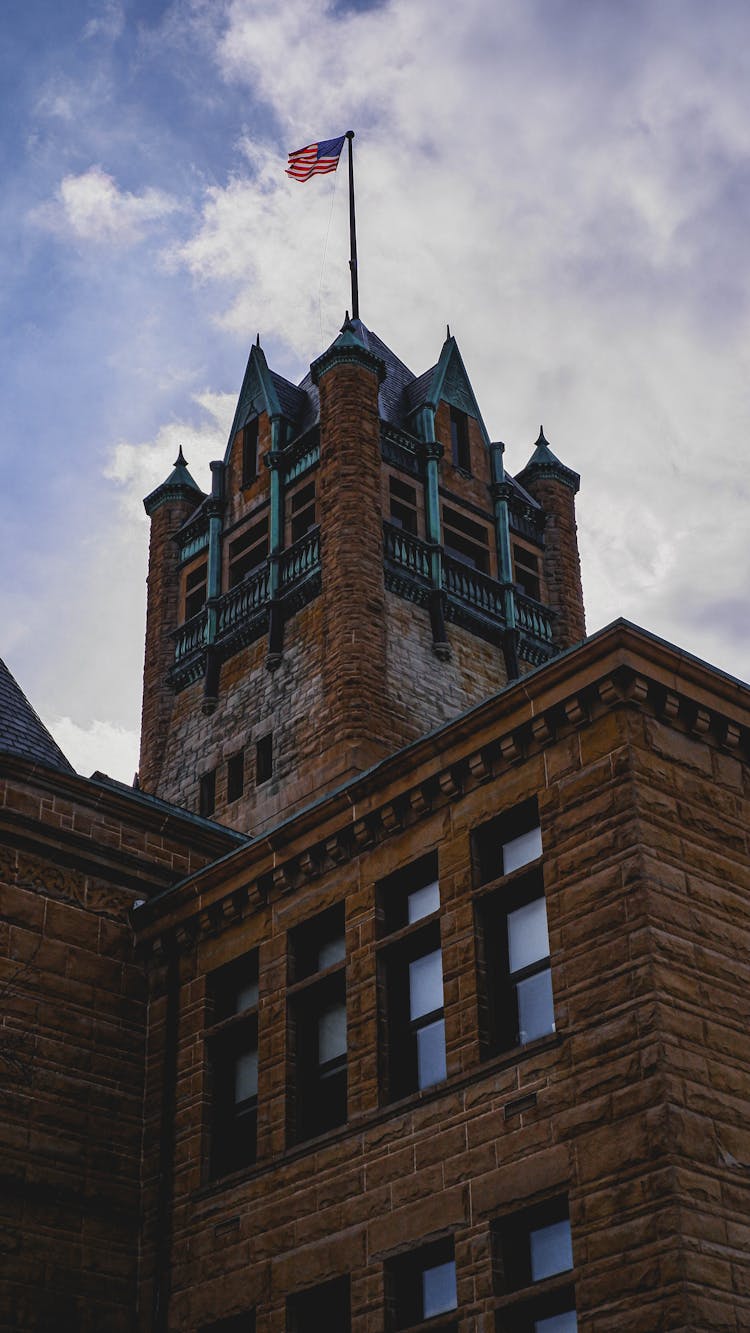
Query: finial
[
  {"x": 447, "y": 330},
  {"x": 180, "y": 460},
  {"x": 541, "y": 439},
  {"x": 257, "y": 341}
]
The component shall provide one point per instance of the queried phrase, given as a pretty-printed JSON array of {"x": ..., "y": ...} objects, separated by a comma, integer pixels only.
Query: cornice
[{"x": 621, "y": 666}]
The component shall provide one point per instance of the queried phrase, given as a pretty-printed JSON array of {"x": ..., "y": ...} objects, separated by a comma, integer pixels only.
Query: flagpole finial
[{"x": 349, "y": 134}]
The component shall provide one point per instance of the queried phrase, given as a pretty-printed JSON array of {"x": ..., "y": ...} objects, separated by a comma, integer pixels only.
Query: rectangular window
[
  {"x": 196, "y": 587},
  {"x": 248, "y": 551},
  {"x": 460, "y": 450},
  {"x": 250, "y": 453},
  {"x": 403, "y": 505},
  {"x": 465, "y": 539},
  {"x": 527, "y": 575},
  {"x": 207, "y": 794},
  {"x": 235, "y": 775},
  {"x": 535, "y": 1247},
  {"x": 317, "y": 1013},
  {"x": 411, "y": 972},
  {"x": 513, "y": 944},
  {"x": 322, "y": 1309},
  {"x": 232, "y": 1036},
  {"x": 303, "y": 511},
  {"x": 421, "y": 1285},
  {"x": 264, "y": 759}
]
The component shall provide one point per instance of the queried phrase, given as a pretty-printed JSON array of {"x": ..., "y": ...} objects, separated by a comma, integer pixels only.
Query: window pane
[
  {"x": 332, "y": 1033},
  {"x": 439, "y": 1289},
  {"x": 551, "y": 1250},
  {"x": 331, "y": 951},
  {"x": 528, "y": 940},
  {"x": 536, "y": 1012},
  {"x": 557, "y": 1323},
  {"x": 246, "y": 1076},
  {"x": 422, "y": 902},
  {"x": 431, "y": 1054},
  {"x": 246, "y": 996},
  {"x": 426, "y": 984},
  {"x": 519, "y": 851}
]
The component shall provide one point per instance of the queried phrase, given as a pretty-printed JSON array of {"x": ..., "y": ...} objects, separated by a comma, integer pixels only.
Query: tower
[{"x": 362, "y": 571}]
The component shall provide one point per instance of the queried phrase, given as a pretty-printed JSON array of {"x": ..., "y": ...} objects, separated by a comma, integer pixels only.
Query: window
[
  {"x": 526, "y": 566},
  {"x": 302, "y": 508},
  {"x": 513, "y": 945},
  {"x": 411, "y": 972},
  {"x": 317, "y": 999},
  {"x": 466, "y": 540},
  {"x": 403, "y": 500},
  {"x": 250, "y": 453},
  {"x": 232, "y": 1037},
  {"x": 207, "y": 794},
  {"x": 196, "y": 587},
  {"x": 235, "y": 775},
  {"x": 533, "y": 1260},
  {"x": 248, "y": 551},
  {"x": 264, "y": 759},
  {"x": 421, "y": 1285},
  {"x": 460, "y": 450},
  {"x": 326, "y": 1307}
]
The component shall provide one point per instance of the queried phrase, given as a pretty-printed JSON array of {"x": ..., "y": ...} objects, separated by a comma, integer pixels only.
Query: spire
[
  {"x": 543, "y": 463},
  {"x": 179, "y": 485}
]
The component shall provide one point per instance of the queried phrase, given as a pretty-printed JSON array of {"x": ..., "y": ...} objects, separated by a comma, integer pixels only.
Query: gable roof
[{"x": 22, "y": 731}]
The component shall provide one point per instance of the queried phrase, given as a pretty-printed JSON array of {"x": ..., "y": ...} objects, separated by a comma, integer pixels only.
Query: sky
[{"x": 565, "y": 182}]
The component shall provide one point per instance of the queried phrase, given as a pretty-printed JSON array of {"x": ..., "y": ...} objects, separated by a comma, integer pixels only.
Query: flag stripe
[{"x": 315, "y": 159}]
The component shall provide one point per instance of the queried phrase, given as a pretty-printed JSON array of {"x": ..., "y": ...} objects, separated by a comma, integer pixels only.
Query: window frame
[
  {"x": 404, "y": 1287},
  {"x": 194, "y": 588},
  {"x": 522, "y": 1299},
  {"x": 264, "y": 759},
  {"x": 247, "y": 550},
  {"x": 207, "y": 793},
  {"x": 317, "y": 1090},
  {"x": 402, "y": 944},
  {"x": 235, "y": 776},
  {"x": 303, "y": 510},
  {"x": 467, "y": 540},
  {"x": 460, "y": 439},
  {"x": 250, "y": 446},
  {"x": 530, "y": 580},
  {"x": 403, "y": 505},
  {"x": 298, "y": 1319},
  {"x": 229, "y": 1034}
]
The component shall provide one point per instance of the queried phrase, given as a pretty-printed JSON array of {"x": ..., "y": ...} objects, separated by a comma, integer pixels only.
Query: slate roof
[{"x": 22, "y": 731}]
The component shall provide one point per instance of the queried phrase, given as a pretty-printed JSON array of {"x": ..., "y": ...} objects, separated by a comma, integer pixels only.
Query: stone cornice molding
[{"x": 621, "y": 666}]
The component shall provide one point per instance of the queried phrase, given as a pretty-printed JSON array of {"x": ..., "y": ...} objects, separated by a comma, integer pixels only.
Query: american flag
[{"x": 316, "y": 158}]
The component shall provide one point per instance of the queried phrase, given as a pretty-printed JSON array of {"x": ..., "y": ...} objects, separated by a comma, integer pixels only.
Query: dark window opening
[
  {"x": 531, "y": 1247},
  {"x": 264, "y": 759},
  {"x": 421, "y": 1285},
  {"x": 403, "y": 501},
  {"x": 507, "y": 842},
  {"x": 460, "y": 450},
  {"x": 233, "y": 1051},
  {"x": 236, "y": 1323},
  {"x": 317, "y": 1000},
  {"x": 250, "y": 453},
  {"x": 322, "y": 1309},
  {"x": 248, "y": 551},
  {"x": 411, "y": 972},
  {"x": 303, "y": 511},
  {"x": 235, "y": 775},
  {"x": 207, "y": 794},
  {"x": 196, "y": 587},
  {"x": 526, "y": 566},
  {"x": 466, "y": 540}
]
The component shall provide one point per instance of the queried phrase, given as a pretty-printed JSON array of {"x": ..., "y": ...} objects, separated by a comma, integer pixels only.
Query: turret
[
  {"x": 554, "y": 487},
  {"x": 168, "y": 507}
]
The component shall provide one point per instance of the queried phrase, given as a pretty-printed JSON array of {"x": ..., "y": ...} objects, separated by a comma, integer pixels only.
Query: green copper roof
[
  {"x": 351, "y": 345},
  {"x": 179, "y": 485},
  {"x": 543, "y": 463}
]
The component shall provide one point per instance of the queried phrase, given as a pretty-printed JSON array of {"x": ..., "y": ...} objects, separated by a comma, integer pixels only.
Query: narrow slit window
[{"x": 264, "y": 759}]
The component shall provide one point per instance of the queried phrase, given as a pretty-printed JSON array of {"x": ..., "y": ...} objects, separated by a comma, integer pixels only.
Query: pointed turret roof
[
  {"x": 543, "y": 463},
  {"x": 179, "y": 485},
  {"x": 22, "y": 731}
]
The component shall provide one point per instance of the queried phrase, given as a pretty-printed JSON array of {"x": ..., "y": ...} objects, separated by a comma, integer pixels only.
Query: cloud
[
  {"x": 107, "y": 24},
  {"x": 98, "y": 745},
  {"x": 91, "y": 207}
]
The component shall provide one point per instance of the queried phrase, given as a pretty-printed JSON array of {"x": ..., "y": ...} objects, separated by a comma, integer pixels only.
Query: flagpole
[{"x": 352, "y": 232}]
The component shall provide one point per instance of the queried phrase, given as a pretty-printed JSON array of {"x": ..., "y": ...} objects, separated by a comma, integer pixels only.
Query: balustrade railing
[
  {"x": 190, "y": 636},
  {"x": 533, "y": 618},
  {"x": 241, "y": 602},
  {"x": 406, "y": 550},
  {"x": 471, "y": 586},
  {"x": 300, "y": 559}
]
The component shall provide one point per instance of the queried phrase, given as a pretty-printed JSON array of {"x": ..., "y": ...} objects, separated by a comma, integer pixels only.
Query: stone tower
[{"x": 362, "y": 570}]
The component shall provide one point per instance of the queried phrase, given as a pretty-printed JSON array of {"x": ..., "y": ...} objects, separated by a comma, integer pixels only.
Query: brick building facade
[{"x": 410, "y": 991}]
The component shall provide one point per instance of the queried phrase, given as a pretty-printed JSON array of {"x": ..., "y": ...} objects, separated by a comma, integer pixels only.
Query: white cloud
[
  {"x": 107, "y": 23},
  {"x": 97, "y": 746},
  {"x": 91, "y": 207}
]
